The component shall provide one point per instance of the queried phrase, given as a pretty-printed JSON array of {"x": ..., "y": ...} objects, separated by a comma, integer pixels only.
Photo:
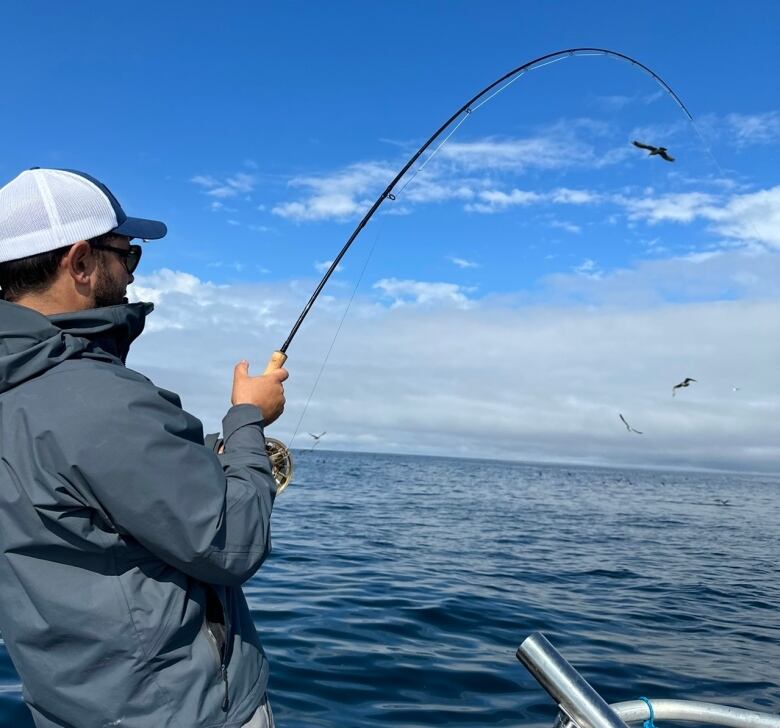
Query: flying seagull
[
  {"x": 628, "y": 427},
  {"x": 685, "y": 383},
  {"x": 659, "y": 151},
  {"x": 316, "y": 438},
  {"x": 722, "y": 502}
]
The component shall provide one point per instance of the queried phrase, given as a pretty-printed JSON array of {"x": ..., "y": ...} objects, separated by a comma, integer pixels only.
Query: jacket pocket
[{"x": 218, "y": 630}]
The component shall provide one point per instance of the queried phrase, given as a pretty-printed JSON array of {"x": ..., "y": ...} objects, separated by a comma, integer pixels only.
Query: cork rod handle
[{"x": 276, "y": 361}]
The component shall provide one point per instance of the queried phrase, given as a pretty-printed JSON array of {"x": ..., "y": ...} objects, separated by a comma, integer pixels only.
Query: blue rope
[{"x": 649, "y": 722}]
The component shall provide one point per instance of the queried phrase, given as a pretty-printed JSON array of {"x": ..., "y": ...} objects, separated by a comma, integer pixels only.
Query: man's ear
[{"x": 80, "y": 261}]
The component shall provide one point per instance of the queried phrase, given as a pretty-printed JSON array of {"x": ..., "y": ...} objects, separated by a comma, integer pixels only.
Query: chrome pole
[{"x": 566, "y": 686}]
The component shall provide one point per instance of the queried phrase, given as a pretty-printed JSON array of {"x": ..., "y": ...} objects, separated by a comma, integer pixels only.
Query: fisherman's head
[{"x": 65, "y": 242}]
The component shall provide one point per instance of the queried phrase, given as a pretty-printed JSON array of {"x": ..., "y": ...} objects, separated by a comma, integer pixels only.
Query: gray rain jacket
[{"x": 123, "y": 539}]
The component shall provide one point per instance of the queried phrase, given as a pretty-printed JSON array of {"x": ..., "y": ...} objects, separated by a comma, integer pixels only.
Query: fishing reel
[
  {"x": 278, "y": 454},
  {"x": 281, "y": 463}
]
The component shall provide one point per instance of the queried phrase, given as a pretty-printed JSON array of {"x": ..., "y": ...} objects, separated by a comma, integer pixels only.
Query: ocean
[{"x": 399, "y": 588}]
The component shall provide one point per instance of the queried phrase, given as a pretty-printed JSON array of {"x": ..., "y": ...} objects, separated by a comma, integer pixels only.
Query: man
[{"x": 124, "y": 539}]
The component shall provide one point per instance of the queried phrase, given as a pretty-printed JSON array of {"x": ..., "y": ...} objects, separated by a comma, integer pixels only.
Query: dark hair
[{"x": 35, "y": 273}]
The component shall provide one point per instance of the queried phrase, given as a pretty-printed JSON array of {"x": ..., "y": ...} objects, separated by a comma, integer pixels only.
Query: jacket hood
[{"x": 31, "y": 343}]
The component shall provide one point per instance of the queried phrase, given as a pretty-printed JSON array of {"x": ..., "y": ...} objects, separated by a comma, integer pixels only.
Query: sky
[{"x": 538, "y": 277}]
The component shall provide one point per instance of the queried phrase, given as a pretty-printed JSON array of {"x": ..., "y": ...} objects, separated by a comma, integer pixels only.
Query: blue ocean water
[{"x": 400, "y": 588}]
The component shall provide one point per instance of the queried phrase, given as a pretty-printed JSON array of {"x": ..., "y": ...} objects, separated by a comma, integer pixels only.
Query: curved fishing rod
[
  {"x": 279, "y": 357},
  {"x": 279, "y": 455}
]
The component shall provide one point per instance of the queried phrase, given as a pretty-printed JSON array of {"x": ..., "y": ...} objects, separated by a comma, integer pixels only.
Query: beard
[{"x": 109, "y": 291}]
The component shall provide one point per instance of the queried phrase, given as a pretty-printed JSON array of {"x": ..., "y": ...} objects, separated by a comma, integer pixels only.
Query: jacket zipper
[
  {"x": 222, "y": 666},
  {"x": 226, "y": 648}
]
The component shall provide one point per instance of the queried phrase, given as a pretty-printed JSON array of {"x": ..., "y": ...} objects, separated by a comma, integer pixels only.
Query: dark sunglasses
[{"x": 132, "y": 256}]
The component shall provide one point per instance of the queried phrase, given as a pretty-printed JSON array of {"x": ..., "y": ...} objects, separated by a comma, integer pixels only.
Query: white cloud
[
  {"x": 515, "y": 154},
  {"x": 566, "y": 196},
  {"x": 349, "y": 192},
  {"x": 404, "y": 292},
  {"x": 239, "y": 183},
  {"x": 750, "y": 129},
  {"x": 338, "y": 196},
  {"x": 491, "y": 201},
  {"x": 496, "y": 378},
  {"x": 567, "y": 226},
  {"x": 322, "y": 266},
  {"x": 462, "y": 262},
  {"x": 588, "y": 268},
  {"x": 750, "y": 216},
  {"x": 753, "y": 216},
  {"x": 677, "y": 207},
  {"x": 496, "y": 200}
]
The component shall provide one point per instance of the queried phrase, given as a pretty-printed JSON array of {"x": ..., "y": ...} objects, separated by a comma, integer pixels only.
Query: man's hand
[{"x": 265, "y": 391}]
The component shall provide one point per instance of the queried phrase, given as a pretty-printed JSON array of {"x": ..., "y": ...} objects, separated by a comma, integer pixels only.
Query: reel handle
[{"x": 277, "y": 360}]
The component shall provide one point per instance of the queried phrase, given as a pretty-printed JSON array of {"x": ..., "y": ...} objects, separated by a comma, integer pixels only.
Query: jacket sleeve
[{"x": 144, "y": 459}]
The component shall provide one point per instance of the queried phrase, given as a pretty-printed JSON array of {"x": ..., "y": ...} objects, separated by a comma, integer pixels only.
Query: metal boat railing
[{"x": 582, "y": 707}]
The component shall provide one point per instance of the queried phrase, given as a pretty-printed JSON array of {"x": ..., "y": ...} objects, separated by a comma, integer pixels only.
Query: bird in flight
[
  {"x": 658, "y": 151},
  {"x": 735, "y": 389},
  {"x": 722, "y": 501},
  {"x": 685, "y": 383},
  {"x": 628, "y": 427},
  {"x": 316, "y": 438}
]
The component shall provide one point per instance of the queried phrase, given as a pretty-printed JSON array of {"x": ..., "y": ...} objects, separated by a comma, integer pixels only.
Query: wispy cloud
[
  {"x": 217, "y": 206},
  {"x": 618, "y": 102},
  {"x": 753, "y": 216},
  {"x": 588, "y": 268},
  {"x": 677, "y": 207},
  {"x": 338, "y": 196},
  {"x": 755, "y": 128},
  {"x": 461, "y": 171},
  {"x": 462, "y": 262},
  {"x": 322, "y": 267},
  {"x": 569, "y": 227},
  {"x": 744, "y": 130},
  {"x": 405, "y": 292},
  {"x": 496, "y": 200},
  {"x": 490, "y": 201},
  {"x": 515, "y": 154},
  {"x": 239, "y": 183}
]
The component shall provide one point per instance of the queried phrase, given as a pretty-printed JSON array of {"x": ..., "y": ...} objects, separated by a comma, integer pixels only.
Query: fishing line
[{"x": 338, "y": 331}]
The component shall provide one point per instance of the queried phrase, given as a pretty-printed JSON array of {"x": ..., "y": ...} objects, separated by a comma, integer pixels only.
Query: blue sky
[{"x": 259, "y": 132}]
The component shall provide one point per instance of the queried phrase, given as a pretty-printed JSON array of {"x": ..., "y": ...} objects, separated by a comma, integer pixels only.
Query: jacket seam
[{"x": 160, "y": 688}]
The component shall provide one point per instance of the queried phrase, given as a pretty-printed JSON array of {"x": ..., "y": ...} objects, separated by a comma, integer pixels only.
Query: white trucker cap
[{"x": 46, "y": 209}]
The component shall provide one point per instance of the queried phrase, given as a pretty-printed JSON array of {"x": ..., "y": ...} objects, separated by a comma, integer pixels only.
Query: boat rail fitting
[
  {"x": 635, "y": 711},
  {"x": 570, "y": 691}
]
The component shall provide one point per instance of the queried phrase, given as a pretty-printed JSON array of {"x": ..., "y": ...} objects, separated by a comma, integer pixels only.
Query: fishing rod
[{"x": 279, "y": 454}]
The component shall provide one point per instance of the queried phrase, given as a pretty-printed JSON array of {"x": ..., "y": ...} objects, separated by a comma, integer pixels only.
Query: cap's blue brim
[{"x": 137, "y": 227}]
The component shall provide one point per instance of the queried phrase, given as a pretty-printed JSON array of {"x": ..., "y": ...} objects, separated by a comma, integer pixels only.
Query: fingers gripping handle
[{"x": 276, "y": 361}]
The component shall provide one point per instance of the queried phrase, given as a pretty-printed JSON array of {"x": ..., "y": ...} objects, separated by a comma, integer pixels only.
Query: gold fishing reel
[{"x": 281, "y": 463}]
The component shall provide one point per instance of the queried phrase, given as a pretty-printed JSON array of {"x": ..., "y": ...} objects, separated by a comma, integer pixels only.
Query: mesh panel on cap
[
  {"x": 22, "y": 212},
  {"x": 83, "y": 210},
  {"x": 44, "y": 209}
]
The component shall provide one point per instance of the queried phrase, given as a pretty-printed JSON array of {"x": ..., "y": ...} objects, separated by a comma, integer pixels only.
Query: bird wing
[
  {"x": 666, "y": 156},
  {"x": 642, "y": 146},
  {"x": 637, "y": 431},
  {"x": 623, "y": 419}
]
